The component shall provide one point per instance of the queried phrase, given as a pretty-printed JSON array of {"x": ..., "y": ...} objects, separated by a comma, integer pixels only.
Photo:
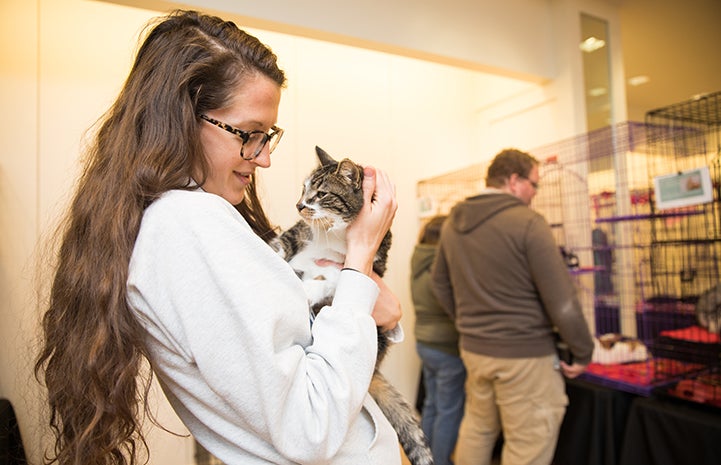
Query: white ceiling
[
  {"x": 677, "y": 44},
  {"x": 673, "y": 42}
]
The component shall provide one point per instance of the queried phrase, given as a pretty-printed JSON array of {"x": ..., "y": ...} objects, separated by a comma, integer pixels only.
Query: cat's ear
[
  {"x": 323, "y": 157},
  {"x": 351, "y": 171}
]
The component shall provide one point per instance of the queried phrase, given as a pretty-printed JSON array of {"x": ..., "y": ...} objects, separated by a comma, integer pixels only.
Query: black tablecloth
[
  {"x": 668, "y": 432},
  {"x": 593, "y": 429}
]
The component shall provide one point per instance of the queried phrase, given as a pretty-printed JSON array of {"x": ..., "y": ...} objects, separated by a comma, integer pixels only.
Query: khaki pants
[{"x": 523, "y": 397}]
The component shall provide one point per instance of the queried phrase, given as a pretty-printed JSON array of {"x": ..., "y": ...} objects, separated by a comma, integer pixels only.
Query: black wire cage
[
  {"x": 638, "y": 207},
  {"x": 685, "y": 246},
  {"x": 636, "y": 211}
]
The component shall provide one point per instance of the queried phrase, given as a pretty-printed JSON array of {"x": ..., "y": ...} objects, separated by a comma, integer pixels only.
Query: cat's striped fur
[{"x": 332, "y": 197}]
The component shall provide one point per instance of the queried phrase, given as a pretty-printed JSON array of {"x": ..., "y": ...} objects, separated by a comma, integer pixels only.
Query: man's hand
[{"x": 573, "y": 370}]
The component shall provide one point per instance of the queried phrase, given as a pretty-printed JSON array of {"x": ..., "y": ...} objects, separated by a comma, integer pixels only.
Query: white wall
[
  {"x": 510, "y": 38},
  {"x": 18, "y": 199},
  {"x": 63, "y": 62}
]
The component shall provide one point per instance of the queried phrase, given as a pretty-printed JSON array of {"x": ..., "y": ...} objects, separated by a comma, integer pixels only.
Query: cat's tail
[{"x": 404, "y": 418}]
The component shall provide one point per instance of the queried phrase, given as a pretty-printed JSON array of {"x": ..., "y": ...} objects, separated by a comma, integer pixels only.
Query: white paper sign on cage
[
  {"x": 683, "y": 189},
  {"x": 426, "y": 207}
]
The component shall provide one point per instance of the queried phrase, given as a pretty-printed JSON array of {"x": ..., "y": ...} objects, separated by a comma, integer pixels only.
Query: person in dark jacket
[
  {"x": 501, "y": 278},
  {"x": 437, "y": 344}
]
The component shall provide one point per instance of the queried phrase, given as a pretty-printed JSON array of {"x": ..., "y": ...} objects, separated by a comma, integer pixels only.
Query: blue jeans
[{"x": 443, "y": 378}]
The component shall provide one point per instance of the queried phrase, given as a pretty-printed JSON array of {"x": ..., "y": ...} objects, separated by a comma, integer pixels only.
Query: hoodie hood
[
  {"x": 474, "y": 211},
  {"x": 422, "y": 259}
]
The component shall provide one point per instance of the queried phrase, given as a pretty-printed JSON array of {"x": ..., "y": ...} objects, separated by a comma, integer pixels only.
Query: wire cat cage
[
  {"x": 635, "y": 209},
  {"x": 685, "y": 242},
  {"x": 596, "y": 195}
]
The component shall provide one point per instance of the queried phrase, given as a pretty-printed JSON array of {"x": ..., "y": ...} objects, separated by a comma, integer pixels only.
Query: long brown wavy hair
[{"x": 146, "y": 144}]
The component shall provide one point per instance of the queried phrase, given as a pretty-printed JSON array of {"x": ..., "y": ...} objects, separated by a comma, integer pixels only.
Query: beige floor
[{"x": 404, "y": 459}]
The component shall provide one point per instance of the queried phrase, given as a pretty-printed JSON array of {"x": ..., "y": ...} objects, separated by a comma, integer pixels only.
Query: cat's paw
[
  {"x": 318, "y": 290},
  {"x": 277, "y": 245}
]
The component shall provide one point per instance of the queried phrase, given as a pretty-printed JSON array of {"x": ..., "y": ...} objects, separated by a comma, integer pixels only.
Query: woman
[
  {"x": 444, "y": 375},
  {"x": 164, "y": 256}
]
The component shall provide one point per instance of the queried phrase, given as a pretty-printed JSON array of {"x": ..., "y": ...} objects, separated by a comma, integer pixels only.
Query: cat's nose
[{"x": 300, "y": 206}]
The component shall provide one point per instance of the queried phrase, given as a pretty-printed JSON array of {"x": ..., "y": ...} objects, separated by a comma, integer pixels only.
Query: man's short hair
[{"x": 506, "y": 163}]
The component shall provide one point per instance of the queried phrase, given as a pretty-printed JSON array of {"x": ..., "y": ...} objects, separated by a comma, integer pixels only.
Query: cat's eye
[{"x": 253, "y": 141}]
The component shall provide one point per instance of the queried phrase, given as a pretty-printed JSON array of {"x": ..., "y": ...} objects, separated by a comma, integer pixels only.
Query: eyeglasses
[
  {"x": 532, "y": 183},
  {"x": 253, "y": 141}
]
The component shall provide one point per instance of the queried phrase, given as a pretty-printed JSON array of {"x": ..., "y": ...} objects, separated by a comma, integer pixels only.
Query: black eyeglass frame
[
  {"x": 533, "y": 184},
  {"x": 274, "y": 136}
]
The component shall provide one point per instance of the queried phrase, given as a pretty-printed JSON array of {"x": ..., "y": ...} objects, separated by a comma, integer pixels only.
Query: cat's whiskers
[
  {"x": 323, "y": 231},
  {"x": 320, "y": 225},
  {"x": 331, "y": 199}
]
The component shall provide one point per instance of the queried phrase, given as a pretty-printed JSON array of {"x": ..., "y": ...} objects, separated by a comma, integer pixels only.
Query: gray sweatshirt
[{"x": 500, "y": 275}]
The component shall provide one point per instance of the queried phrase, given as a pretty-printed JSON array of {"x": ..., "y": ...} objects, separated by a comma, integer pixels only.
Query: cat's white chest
[{"x": 320, "y": 282}]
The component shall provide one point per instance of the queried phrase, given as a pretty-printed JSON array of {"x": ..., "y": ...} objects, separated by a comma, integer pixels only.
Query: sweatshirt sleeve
[
  {"x": 441, "y": 282},
  {"x": 229, "y": 331},
  {"x": 557, "y": 290}
]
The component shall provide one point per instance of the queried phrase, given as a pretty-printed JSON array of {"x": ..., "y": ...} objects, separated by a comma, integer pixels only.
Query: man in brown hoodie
[{"x": 501, "y": 277}]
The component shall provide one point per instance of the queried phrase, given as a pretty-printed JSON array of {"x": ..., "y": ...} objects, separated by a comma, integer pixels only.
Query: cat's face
[{"x": 332, "y": 193}]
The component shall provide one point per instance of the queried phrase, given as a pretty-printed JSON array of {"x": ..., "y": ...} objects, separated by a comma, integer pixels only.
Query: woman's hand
[
  {"x": 387, "y": 311},
  {"x": 365, "y": 234}
]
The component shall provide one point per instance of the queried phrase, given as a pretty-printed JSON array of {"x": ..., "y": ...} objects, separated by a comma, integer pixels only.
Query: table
[
  {"x": 669, "y": 432},
  {"x": 592, "y": 432}
]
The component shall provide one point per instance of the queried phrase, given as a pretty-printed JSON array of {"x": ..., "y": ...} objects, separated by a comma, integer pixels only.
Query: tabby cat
[
  {"x": 332, "y": 197},
  {"x": 708, "y": 309}
]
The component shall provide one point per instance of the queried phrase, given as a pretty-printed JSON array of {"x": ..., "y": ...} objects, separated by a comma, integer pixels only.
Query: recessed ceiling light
[
  {"x": 597, "y": 91},
  {"x": 638, "y": 80},
  {"x": 591, "y": 44},
  {"x": 699, "y": 96}
]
